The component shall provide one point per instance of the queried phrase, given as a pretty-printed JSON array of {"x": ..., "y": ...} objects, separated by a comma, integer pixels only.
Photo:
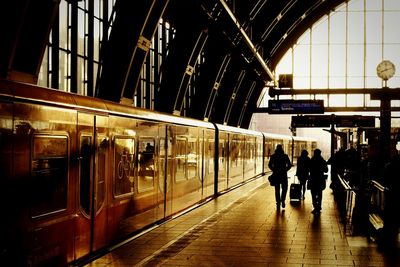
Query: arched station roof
[{"x": 240, "y": 43}]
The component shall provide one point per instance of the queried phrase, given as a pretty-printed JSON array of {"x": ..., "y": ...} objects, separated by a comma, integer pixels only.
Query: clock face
[{"x": 385, "y": 70}]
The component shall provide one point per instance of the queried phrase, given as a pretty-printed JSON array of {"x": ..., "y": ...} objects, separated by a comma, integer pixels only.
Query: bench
[
  {"x": 377, "y": 204},
  {"x": 376, "y": 221}
]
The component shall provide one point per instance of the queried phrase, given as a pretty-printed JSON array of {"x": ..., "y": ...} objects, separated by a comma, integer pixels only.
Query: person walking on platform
[
  {"x": 317, "y": 180},
  {"x": 279, "y": 163},
  {"x": 303, "y": 170}
]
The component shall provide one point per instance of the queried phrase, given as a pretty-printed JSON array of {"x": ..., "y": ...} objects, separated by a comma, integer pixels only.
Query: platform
[{"x": 244, "y": 228}]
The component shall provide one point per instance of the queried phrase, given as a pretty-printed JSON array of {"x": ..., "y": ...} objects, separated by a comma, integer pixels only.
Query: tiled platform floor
[{"x": 243, "y": 228}]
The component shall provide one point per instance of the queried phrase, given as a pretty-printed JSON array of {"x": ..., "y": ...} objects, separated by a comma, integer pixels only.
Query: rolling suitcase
[{"x": 295, "y": 191}]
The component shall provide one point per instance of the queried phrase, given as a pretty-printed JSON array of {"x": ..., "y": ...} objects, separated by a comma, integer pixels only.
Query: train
[{"x": 80, "y": 174}]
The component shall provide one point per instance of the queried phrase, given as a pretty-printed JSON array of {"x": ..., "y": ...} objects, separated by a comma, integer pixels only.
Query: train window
[
  {"x": 222, "y": 153},
  {"x": 124, "y": 151},
  {"x": 162, "y": 163},
  {"x": 235, "y": 152},
  {"x": 269, "y": 148},
  {"x": 210, "y": 156},
  {"x": 146, "y": 164},
  {"x": 250, "y": 151},
  {"x": 49, "y": 174},
  {"x": 181, "y": 148},
  {"x": 192, "y": 159},
  {"x": 187, "y": 157},
  {"x": 101, "y": 164},
  {"x": 85, "y": 173}
]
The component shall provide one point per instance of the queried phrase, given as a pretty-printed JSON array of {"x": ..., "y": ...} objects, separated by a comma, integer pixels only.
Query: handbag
[{"x": 272, "y": 179}]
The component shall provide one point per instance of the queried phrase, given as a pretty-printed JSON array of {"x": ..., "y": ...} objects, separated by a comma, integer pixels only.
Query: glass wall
[
  {"x": 343, "y": 49},
  {"x": 77, "y": 31},
  {"x": 74, "y": 49}
]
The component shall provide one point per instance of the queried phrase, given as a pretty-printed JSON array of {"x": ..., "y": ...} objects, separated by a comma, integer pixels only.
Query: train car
[
  {"x": 270, "y": 142},
  {"x": 302, "y": 143},
  {"x": 239, "y": 156},
  {"x": 81, "y": 174},
  {"x": 292, "y": 146}
]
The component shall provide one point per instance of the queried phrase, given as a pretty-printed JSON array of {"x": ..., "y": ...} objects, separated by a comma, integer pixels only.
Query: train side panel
[
  {"x": 236, "y": 159},
  {"x": 253, "y": 156},
  {"x": 186, "y": 166},
  {"x": 41, "y": 186},
  {"x": 223, "y": 161},
  {"x": 135, "y": 191},
  {"x": 8, "y": 185},
  {"x": 240, "y": 156},
  {"x": 209, "y": 163},
  {"x": 259, "y": 154}
]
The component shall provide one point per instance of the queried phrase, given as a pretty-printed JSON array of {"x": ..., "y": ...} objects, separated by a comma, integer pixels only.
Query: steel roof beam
[
  {"x": 248, "y": 42},
  {"x": 272, "y": 92}
]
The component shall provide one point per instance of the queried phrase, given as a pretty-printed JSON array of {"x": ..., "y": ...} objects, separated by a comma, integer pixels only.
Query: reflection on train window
[
  {"x": 298, "y": 147},
  {"x": 235, "y": 152},
  {"x": 181, "y": 146},
  {"x": 49, "y": 174},
  {"x": 146, "y": 164},
  {"x": 269, "y": 150},
  {"x": 210, "y": 157},
  {"x": 222, "y": 155},
  {"x": 192, "y": 158},
  {"x": 101, "y": 164},
  {"x": 85, "y": 173},
  {"x": 187, "y": 156},
  {"x": 162, "y": 163},
  {"x": 124, "y": 150},
  {"x": 249, "y": 151}
]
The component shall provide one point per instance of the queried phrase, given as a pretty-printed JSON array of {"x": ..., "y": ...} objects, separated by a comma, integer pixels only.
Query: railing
[{"x": 345, "y": 199}]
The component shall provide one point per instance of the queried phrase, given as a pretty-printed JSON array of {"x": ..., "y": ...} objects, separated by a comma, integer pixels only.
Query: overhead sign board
[
  {"x": 328, "y": 120},
  {"x": 311, "y": 121},
  {"x": 355, "y": 121},
  {"x": 290, "y": 106}
]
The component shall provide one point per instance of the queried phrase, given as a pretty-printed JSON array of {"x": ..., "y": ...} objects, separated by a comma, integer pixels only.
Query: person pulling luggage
[{"x": 303, "y": 170}]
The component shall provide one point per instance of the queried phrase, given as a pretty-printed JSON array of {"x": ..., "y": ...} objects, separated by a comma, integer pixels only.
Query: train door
[
  {"x": 164, "y": 175},
  {"x": 208, "y": 148},
  {"x": 223, "y": 161},
  {"x": 93, "y": 148},
  {"x": 170, "y": 166}
]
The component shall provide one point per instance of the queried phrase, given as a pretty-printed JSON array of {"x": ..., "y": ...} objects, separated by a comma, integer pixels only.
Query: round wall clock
[{"x": 385, "y": 70}]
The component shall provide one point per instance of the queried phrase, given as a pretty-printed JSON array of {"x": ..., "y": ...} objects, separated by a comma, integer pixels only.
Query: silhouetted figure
[
  {"x": 279, "y": 163},
  {"x": 303, "y": 170},
  {"x": 149, "y": 148},
  {"x": 352, "y": 165},
  {"x": 146, "y": 158},
  {"x": 392, "y": 200},
  {"x": 337, "y": 162},
  {"x": 317, "y": 180}
]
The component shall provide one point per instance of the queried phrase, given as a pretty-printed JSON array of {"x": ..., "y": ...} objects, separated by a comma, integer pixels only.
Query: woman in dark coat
[
  {"x": 317, "y": 180},
  {"x": 303, "y": 170},
  {"x": 279, "y": 163}
]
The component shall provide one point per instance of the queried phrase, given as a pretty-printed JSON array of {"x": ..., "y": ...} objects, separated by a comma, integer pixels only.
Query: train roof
[
  {"x": 304, "y": 138},
  {"x": 277, "y": 136},
  {"x": 42, "y": 95},
  {"x": 237, "y": 130},
  {"x": 288, "y": 137}
]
